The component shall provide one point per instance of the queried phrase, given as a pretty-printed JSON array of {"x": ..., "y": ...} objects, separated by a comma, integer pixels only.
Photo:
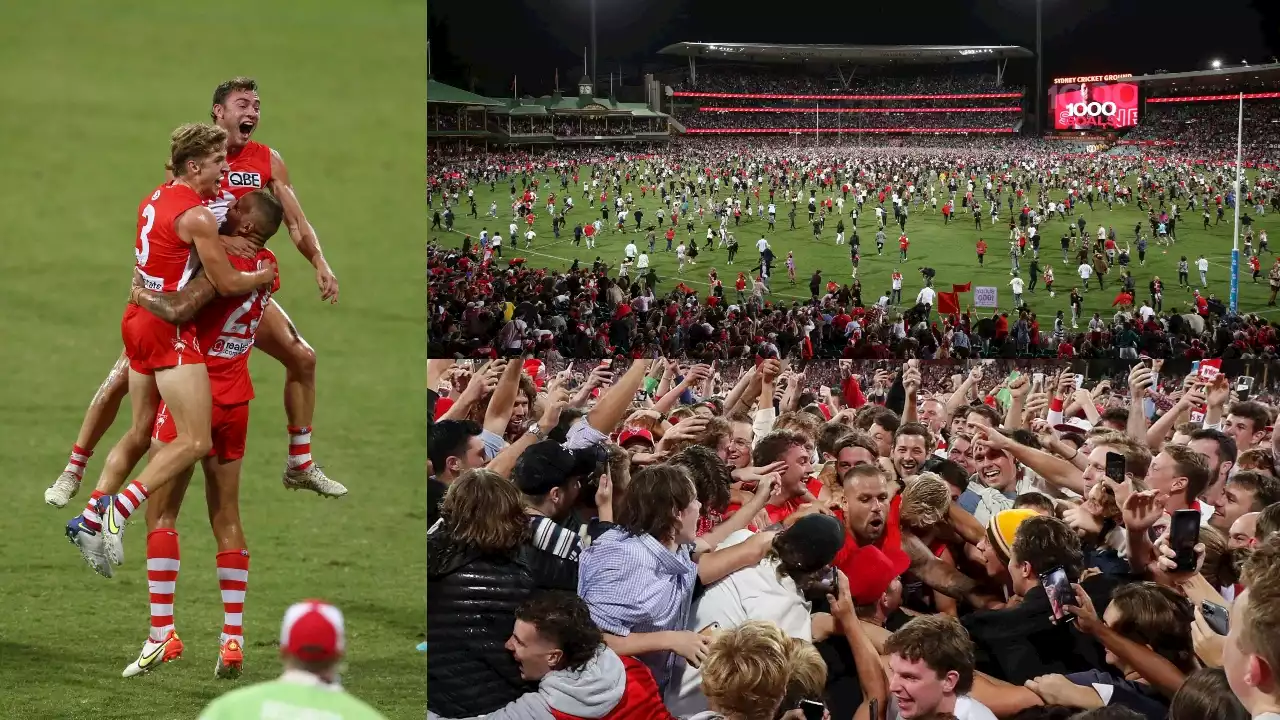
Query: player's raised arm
[
  {"x": 198, "y": 227},
  {"x": 300, "y": 229},
  {"x": 175, "y": 307}
]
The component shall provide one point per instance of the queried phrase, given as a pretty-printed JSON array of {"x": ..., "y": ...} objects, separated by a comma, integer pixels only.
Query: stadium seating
[{"x": 788, "y": 100}]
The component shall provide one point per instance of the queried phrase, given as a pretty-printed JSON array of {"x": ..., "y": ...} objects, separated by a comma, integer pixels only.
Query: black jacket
[
  {"x": 1021, "y": 643},
  {"x": 471, "y": 602}
]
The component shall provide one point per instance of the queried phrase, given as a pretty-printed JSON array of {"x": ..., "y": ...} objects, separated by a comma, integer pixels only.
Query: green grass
[
  {"x": 93, "y": 91},
  {"x": 947, "y": 249}
]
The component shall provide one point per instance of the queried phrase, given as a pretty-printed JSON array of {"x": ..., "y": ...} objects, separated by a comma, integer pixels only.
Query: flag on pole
[
  {"x": 948, "y": 303},
  {"x": 962, "y": 288}
]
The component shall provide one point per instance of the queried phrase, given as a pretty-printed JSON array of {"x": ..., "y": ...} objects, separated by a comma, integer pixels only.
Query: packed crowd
[
  {"x": 785, "y": 80},
  {"x": 1208, "y": 129},
  {"x": 658, "y": 539},
  {"x": 803, "y": 121},
  {"x": 487, "y": 302}
]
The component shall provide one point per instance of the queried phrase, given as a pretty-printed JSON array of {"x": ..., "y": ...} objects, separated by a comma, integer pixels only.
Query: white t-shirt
[
  {"x": 752, "y": 593},
  {"x": 1085, "y": 270},
  {"x": 761, "y": 245},
  {"x": 966, "y": 709},
  {"x": 1016, "y": 283}
]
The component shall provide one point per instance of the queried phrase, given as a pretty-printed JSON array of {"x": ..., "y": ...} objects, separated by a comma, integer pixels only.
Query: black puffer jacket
[{"x": 471, "y": 602}]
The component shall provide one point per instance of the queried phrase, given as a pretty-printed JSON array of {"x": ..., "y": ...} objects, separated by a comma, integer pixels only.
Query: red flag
[
  {"x": 948, "y": 303},
  {"x": 962, "y": 288}
]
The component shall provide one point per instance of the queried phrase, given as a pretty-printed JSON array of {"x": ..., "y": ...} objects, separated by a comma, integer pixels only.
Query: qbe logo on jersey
[{"x": 244, "y": 179}]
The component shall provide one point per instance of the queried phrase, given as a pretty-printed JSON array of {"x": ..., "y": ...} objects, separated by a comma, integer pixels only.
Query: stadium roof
[
  {"x": 871, "y": 54},
  {"x": 1238, "y": 75},
  {"x": 438, "y": 92}
]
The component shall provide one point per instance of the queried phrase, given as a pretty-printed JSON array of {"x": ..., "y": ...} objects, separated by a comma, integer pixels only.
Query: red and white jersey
[
  {"x": 226, "y": 330},
  {"x": 250, "y": 170},
  {"x": 164, "y": 260}
]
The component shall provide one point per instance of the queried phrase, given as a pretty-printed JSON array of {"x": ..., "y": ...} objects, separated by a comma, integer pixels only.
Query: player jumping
[
  {"x": 236, "y": 110},
  {"x": 226, "y": 328},
  {"x": 177, "y": 234}
]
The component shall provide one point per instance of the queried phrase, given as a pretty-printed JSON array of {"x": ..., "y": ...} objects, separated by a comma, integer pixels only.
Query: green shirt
[{"x": 295, "y": 696}]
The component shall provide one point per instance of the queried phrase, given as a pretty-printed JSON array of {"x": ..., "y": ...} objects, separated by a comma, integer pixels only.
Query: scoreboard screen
[{"x": 1094, "y": 106}]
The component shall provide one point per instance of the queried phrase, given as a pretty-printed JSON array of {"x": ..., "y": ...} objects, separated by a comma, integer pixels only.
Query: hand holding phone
[
  {"x": 813, "y": 710},
  {"x": 1058, "y": 587},
  {"x": 1115, "y": 467},
  {"x": 1216, "y": 616},
  {"x": 1184, "y": 534},
  {"x": 1244, "y": 387}
]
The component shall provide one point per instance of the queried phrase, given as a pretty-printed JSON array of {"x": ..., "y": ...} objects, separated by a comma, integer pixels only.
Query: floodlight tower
[
  {"x": 1039, "y": 76},
  {"x": 593, "y": 43}
]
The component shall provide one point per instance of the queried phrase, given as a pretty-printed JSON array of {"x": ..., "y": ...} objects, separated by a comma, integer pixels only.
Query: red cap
[
  {"x": 632, "y": 433},
  {"x": 313, "y": 631},
  {"x": 873, "y": 572}
]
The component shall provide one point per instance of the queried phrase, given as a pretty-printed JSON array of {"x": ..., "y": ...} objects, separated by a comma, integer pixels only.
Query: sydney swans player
[
  {"x": 251, "y": 165},
  {"x": 225, "y": 329},
  {"x": 177, "y": 235}
]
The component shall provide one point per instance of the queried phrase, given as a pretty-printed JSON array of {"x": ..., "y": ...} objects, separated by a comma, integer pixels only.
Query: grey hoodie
[{"x": 591, "y": 692}]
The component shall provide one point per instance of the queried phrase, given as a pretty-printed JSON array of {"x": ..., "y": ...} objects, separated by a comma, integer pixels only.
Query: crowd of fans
[
  {"x": 488, "y": 301},
  {"x": 802, "y": 121},
  {"x": 576, "y": 125},
  {"x": 656, "y": 539},
  {"x": 1208, "y": 129},
  {"x": 786, "y": 80}
]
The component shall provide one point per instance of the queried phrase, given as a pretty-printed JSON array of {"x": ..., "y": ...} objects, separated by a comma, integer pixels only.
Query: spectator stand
[{"x": 816, "y": 89}]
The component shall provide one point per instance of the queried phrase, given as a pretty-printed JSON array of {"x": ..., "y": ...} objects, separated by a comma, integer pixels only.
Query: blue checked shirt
[{"x": 632, "y": 583}]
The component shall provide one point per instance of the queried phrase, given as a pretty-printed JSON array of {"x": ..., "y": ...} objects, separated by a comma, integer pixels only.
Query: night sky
[{"x": 488, "y": 42}]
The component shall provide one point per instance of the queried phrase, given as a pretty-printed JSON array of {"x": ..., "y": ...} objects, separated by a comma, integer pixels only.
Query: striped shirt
[{"x": 554, "y": 538}]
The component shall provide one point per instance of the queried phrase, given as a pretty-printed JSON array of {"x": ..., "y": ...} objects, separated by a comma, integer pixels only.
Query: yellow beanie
[{"x": 1003, "y": 527}]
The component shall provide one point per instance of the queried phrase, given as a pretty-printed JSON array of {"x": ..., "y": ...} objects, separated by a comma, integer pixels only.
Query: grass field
[
  {"x": 947, "y": 249},
  {"x": 93, "y": 91}
]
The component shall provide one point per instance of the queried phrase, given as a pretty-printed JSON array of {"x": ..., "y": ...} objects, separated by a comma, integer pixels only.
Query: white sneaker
[
  {"x": 154, "y": 654},
  {"x": 62, "y": 490},
  {"x": 112, "y": 529},
  {"x": 313, "y": 479},
  {"x": 90, "y": 544}
]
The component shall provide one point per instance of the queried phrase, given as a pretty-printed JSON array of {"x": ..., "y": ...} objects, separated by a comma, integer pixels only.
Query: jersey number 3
[{"x": 143, "y": 251}]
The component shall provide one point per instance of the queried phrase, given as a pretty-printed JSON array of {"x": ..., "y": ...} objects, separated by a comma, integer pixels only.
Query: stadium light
[
  {"x": 1039, "y": 77},
  {"x": 1217, "y": 64}
]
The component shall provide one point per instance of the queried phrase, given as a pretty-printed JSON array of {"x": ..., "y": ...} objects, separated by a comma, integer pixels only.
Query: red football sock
[
  {"x": 233, "y": 581},
  {"x": 163, "y": 561},
  {"x": 92, "y": 519},
  {"x": 130, "y": 499},
  {"x": 79, "y": 458},
  {"x": 299, "y": 448}
]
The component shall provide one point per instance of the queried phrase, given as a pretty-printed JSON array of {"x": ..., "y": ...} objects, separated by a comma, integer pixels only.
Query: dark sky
[{"x": 489, "y": 41}]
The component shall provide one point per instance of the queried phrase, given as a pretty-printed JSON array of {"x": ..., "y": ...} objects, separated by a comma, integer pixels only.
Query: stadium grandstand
[
  {"x": 735, "y": 88},
  {"x": 1197, "y": 112},
  {"x": 460, "y": 118}
]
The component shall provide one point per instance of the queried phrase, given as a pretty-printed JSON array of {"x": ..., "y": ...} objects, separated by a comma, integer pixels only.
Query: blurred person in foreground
[
  {"x": 312, "y": 645},
  {"x": 1251, "y": 653}
]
